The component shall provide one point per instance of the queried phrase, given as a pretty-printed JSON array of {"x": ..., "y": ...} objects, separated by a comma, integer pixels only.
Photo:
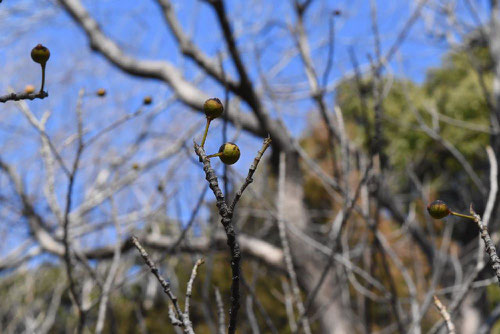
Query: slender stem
[
  {"x": 43, "y": 77},
  {"x": 445, "y": 314},
  {"x": 488, "y": 243},
  {"x": 214, "y": 155},
  {"x": 206, "y": 132},
  {"x": 461, "y": 215}
]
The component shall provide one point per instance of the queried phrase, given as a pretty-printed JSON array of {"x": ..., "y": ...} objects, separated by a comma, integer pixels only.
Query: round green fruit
[
  {"x": 213, "y": 108},
  {"x": 40, "y": 54},
  {"x": 438, "y": 209},
  {"x": 230, "y": 153}
]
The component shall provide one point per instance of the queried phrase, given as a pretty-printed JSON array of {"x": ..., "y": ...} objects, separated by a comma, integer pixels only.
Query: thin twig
[
  {"x": 39, "y": 125},
  {"x": 292, "y": 322},
  {"x": 331, "y": 48},
  {"x": 349, "y": 207},
  {"x": 194, "y": 213},
  {"x": 490, "y": 247},
  {"x": 66, "y": 221},
  {"x": 493, "y": 185},
  {"x": 108, "y": 285},
  {"x": 220, "y": 312},
  {"x": 189, "y": 288},
  {"x": 251, "y": 171},
  {"x": 114, "y": 125},
  {"x": 178, "y": 316},
  {"x": 446, "y": 316},
  {"x": 267, "y": 318},
  {"x": 173, "y": 317}
]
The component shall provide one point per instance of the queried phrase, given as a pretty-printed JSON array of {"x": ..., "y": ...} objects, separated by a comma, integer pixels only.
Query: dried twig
[
  {"x": 490, "y": 247},
  {"x": 265, "y": 315},
  {"x": 67, "y": 221},
  {"x": 446, "y": 316},
  {"x": 251, "y": 171},
  {"x": 195, "y": 211},
  {"x": 189, "y": 288},
  {"x": 178, "y": 318},
  {"x": 108, "y": 284},
  {"x": 220, "y": 312}
]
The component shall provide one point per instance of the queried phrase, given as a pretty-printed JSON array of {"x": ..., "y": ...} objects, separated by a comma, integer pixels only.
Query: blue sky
[{"x": 139, "y": 28}]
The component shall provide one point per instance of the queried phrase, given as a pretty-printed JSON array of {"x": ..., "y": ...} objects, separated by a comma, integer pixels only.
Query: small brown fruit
[
  {"x": 213, "y": 108},
  {"x": 230, "y": 153},
  {"x": 29, "y": 89},
  {"x": 101, "y": 92},
  {"x": 147, "y": 100},
  {"x": 438, "y": 209},
  {"x": 40, "y": 54}
]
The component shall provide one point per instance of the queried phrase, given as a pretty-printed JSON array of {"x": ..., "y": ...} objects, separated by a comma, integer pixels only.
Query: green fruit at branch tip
[
  {"x": 213, "y": 108},
  {"x": 40, "y": 54},
  {"x": 438, "y": 209},
  {"x": 230, "y": 153},
  {"x": 147, "y": 100}
]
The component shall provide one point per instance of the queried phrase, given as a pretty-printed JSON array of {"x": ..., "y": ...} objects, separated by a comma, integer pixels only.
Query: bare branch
[
  {"x": 446, "y": 316},
  {"x": 251, "y": 171},
  {"x": 189, "y": 49},
  {"x": 220, "y": 312},
  {"x": 23, "y": 96},
  {"x": 108, "y": 284},
  {"x": 187, "y": 92},
  {"x": 66, "y": 221},
  {"x": 186, "y": 324},
  {"x": 493, "y": 185},
  {"x": 226, "y": 214},
  {"x": 490, "y": 247},
  {"x": 189, "y": 288}
]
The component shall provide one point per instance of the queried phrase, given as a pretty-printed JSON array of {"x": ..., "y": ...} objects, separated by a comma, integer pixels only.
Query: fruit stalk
[
  {"x": 206, "y": 132},
  {"x": 43, "y": 76},
  {"x": 461, "y": 215}
]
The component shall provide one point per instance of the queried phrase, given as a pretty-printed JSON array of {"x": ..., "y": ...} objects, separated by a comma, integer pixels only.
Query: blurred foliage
[
  {"x": 450, "y": 92},
  {"x": 128, "y": 311},
  {"x": 452, "y": 102}
]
